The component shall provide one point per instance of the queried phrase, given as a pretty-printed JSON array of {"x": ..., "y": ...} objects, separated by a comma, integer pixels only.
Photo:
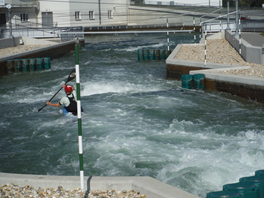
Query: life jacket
[{"x": 72, "y": 106}]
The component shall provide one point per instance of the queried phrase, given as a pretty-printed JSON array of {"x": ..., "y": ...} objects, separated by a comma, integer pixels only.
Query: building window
[
  {"x": 23, "y": 17},
  {"x": 110, "y": 14},
  {"x": 77, "y": 16},
  {"x": 91, "y": 15}
]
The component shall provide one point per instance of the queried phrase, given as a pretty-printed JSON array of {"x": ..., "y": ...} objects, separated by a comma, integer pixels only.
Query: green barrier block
[
  {"x": 24, "y": 63},
  {"x": 146, "y": 54},
  {"x": 187, "y": 81},
  {"x": 257, "y": 180},
  {"x": 32, "y": 65},
  {"x": 247, "y": 190},
  {"x": 157, "y": 54},
  {"x": 259, "y": 173},
  {"x": 39, "y": 64},
  {"x": 199, "y": 81},
  {"x": 162, "y": 54},
  {"x": 140, "y": 55},
  {"x": 10, "y": 66},
  {"x": 223, "y": 194},
  {"x": 46, "y": 61},
  {"x": 151, "y": 54},
  {"x": 18, "y": 65}
]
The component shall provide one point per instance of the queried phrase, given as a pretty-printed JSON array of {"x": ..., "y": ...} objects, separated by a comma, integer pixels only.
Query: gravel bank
[
  {"x": 221, "y": 52},
  {"x": 19, "y": 49},
  {"x": 12, "y": 190}
]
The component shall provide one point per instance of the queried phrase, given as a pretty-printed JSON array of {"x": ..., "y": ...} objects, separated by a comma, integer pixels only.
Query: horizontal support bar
[{"x": 129, "y": 32}]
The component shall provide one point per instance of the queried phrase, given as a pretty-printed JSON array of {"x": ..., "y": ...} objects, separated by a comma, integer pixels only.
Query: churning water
[{"x": 136, "y": 123}]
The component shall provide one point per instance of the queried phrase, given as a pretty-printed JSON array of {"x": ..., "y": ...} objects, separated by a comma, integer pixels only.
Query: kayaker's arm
[{"x": 54, "y": 105}]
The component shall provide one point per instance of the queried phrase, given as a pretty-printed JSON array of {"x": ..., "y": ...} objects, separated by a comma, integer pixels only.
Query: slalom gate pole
[
  {"x": 194, "y": 35},
  {"x": 205, "y": 45},
  {"x": 239, "y": 36},
  {"x": 79, "y": 115},
  {"x": 168, "y": 39}
]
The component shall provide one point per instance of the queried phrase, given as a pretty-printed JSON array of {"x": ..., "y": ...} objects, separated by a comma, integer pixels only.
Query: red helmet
[{"x": 68, "y": 88}]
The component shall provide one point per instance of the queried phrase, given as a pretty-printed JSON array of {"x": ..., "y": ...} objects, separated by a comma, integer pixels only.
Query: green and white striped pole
[
  {"x": 194, "y": 36},
  {"x": 239, "y": 37},
  {"x": 205, "y": 35},
  {"x": 168, "y": 39},
  {"x": 79, "y": 115}
]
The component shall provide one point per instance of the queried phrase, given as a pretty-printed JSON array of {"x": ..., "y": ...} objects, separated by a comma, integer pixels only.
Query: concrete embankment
[
  {"x": 244, "y": 86},
  {"x": 53, "y": 50},
  {"x": 152, "y": 188}
]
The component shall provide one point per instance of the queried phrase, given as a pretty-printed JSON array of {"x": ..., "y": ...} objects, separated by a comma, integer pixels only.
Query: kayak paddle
[{"x": 70, "y": 77}]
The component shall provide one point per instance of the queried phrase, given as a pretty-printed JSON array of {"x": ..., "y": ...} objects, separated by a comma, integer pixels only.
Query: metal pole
[
  {"x": 236, "y": 17},
  {"x": 10, "y": 23},
  {"x": 228, "y": 27},
  {"x": 79, "y": 115},
  {"x": 99, "y": 5}
]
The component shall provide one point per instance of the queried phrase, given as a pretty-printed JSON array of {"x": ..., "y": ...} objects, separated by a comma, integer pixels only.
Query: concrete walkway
[
  {"x": 255, "y": 39},
  {"x": 152, "y": 188}
]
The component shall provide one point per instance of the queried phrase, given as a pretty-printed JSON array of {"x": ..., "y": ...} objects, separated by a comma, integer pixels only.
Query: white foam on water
[
  {"x": 114, "y": 87},
  {"x": 131, "y": 49}
]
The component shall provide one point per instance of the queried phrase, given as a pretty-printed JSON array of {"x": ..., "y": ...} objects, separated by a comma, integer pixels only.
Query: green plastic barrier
[
  {"x": 46, "y": 61},
  {"x": 10, "y": 66},
  {"x": 39, "y": 63},
  {"x": 18, "y": 65},
  {"x": 32, "y": 66},
  {"x": 247, "y": 190},
  {"x": 162, "y": 54},
  {"x": 223, "y": 194},
  {"x": 199, "y": 82},
  {"x": 257, "y": 180},
  {"x": 140, "y": 55},
  {"x": 151, "y": 54},
  {"x": 157, "y": 54},
  {"x": 259, "y": 173},
  {"x": 24, "y": 65},
  {"x": 187, "y": 81},
  {"x": 145, "y": 54}
]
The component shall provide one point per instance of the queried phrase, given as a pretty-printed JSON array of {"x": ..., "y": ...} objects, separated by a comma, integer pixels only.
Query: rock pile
[
  {"x": 221, "y": 52},
  {"x": 19, "y": 49},
  {"x": 12, "y": 190}
]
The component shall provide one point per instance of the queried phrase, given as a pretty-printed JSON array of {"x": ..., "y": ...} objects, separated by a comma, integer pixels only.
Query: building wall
[
  {"x": 19, "y": 7},
  {"x": 64, "y": 12}
]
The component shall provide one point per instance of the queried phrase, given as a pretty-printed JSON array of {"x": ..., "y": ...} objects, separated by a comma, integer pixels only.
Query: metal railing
[
  {"x": 19, "y": 3},
  {"x": 43, "y": 32}
]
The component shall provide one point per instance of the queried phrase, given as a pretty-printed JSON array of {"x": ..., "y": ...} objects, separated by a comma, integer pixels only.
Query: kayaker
[{"x": 69, "y": 101}]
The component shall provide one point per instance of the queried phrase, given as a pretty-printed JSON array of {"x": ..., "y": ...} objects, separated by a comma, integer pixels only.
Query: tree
[{"x": 243, "y": 3}]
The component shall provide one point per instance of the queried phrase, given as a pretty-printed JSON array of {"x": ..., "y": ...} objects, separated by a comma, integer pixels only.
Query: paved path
[{"x": 255, "y": 39}]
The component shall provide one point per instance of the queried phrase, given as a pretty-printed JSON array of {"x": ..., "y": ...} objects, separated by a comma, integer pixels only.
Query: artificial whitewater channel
[{"x": 136, "y": 123}]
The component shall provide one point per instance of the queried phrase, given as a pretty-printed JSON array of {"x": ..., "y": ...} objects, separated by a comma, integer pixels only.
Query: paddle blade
[{"x": 72, "y": 75}]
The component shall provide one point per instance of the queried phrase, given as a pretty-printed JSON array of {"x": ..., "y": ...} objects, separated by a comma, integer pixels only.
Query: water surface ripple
[{"x": 136, "y": 123}]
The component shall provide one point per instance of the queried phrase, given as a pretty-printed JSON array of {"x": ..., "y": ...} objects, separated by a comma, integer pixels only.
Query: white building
[
  {"x": 63, "y": 13},
  {"x": 209, "y": 3}
]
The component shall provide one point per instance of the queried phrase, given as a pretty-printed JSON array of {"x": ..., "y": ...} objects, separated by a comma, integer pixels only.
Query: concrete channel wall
[
  {"x": 9, "y": 42},
  {"x": 53, "y": 51},
  {"x": 251, "y": 54},
  {"x": 246, "y": 87},
  {"x": 152, "y": 188}
]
